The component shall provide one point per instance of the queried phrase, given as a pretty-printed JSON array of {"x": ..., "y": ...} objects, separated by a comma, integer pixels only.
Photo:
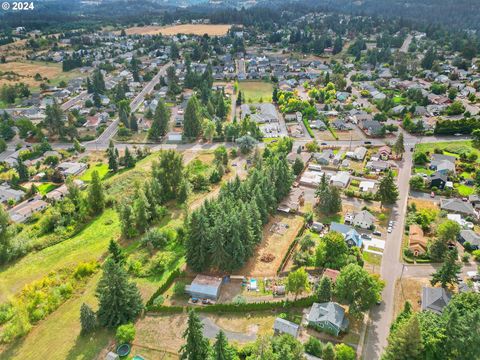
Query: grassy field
[
  {"x": 45, "y": 188},
  {"x": 58, "y": 336},
  {"x": 100, "y": 167},
  {"x": 26, "y": 71},
  {"x": 88, "y": 245},
  {"x": 454, "y": 148},
  {"x": 256, "y": 91},
  {"x": 195, "y": 29}
]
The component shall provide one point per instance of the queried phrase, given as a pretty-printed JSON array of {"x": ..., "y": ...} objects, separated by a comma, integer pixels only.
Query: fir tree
[
  {"x": 399, "y": 146},
  {"x": 191, "y": 122},
  {"x": 127, "y": 221},
  {"x": 128, "y": 159},
  {"x": 116, "y": 252},
  {"x": 141, "y": 212},
  {"x": 406, "y": 342},
  {"x": 221, "y": 348},
  {"x": 96, "y": 198},
  {"x": 324, "y": 290},
  {"x": 5, "y": 236},
  {"x": 119, "y": 299},
  {"x": 448, "y": 273},
  {"x": 88, "y": 319},
  {"x": 133, "y": 123},
  {"x": 387, "y": 190},
  {"x": 160, "y": 122},
  {"x": 196, "y": 347}
]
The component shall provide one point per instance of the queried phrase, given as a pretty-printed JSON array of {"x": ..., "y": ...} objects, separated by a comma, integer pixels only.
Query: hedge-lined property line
[
  {"x": 164, "y": 287},
  {"x": 290, "y": 248},
  {"x": 236, "y": 308}
]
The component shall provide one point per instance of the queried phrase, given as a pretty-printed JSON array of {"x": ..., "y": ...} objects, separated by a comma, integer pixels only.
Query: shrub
[
  {"x": 161, "y": 261},
  {"x": 476, "y": 255},
  {"x": 156, "y": 238},
  {"x": 158, "y": 300},
  {"x": 314, "y": 347},
  {"x": 125, "y": 334},
  {"x": 85, "y": 269},
  {"x": 179, "y": 288}
]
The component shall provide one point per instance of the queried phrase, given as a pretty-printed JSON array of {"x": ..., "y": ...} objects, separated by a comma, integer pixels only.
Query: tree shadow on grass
[
  {"x": 89, "y": 346},
  {"x": 9, "y": 351}
]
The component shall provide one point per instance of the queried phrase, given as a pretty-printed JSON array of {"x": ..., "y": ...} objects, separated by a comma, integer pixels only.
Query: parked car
[
  {"x": 377, "y": 233},
  {"x": 465, "y": 199},
  {"x": 366, "y": 236},
  {"x": 323, "y": 144},
  {"x": 391, "y": 223},
  {"x": 206, "y": 302},
  {"x": 194, "y": 300},
  {"x": 389, "y": 230},
  {"x": 432, "y": 194},
  {"x": 367, "y": 142}
]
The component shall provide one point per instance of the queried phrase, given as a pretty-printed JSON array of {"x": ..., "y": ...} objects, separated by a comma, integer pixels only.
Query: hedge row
[
  {"x": 164, "y": 287},
  {"x": 237, "y": 308},
  {"x": 309, "y": 129},
  {"x": 290, "y": 247}
]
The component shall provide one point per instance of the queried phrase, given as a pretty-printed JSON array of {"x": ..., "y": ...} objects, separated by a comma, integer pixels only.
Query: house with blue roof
[
  {"x": 328, "y": 317},
  {"x": 351, "y": 236}
]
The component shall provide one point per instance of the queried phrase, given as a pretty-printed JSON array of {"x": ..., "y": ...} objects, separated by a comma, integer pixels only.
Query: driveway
[{"x": 210, "y": 330}]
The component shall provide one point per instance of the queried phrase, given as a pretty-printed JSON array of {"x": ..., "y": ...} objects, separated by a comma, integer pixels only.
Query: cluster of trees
[
  {"x": 328, "y": 197},
  {"x": 461, "y": 126},
  {"x": 74, "y": 61},
  {"x": 288, "y": 103},
  {"x": 10, "y": 93},
  {"x": 453, "y": 334},
  {"x": 139, "y": 212},
  {"x": 283, "y": 347},
  {"x": 128, "y": 160},
  {"x": 333, "y": 252},
  {"x": 223, "y": 232},
  {"x": 160, "y": 120}
]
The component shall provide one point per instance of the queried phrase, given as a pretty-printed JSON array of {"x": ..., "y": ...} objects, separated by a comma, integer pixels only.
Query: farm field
[
  {"x": 195, "y": 29},
  {"x": 25, "y": 72},
  {"x": 256, "y": 91}
]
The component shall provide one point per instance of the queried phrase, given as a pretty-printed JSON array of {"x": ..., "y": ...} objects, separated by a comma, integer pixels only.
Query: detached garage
[{"x": 204, "y": 287}]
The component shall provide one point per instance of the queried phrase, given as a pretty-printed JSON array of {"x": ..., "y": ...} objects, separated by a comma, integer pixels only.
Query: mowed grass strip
[{"x": 90, "y": 244}]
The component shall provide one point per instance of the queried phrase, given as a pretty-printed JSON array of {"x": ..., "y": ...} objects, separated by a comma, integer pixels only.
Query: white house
[
  {"x": 340, "y": 179},
  {"x": 364, "y": 219}
]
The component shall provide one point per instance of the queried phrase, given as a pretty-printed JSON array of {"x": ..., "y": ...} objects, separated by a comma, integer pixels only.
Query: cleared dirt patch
[
  {"x": 277, "y": 237},
  {"x": 408, "y": 289},
  {"x": 193, "y": 29}
]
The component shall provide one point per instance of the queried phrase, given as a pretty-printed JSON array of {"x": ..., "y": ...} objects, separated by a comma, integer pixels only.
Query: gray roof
[
  {"x": 364, "y": 216},
  {"x": 434, "y": 299},
  {"x": 330, "y": 312},
  {"x": 457, "y": 205},
  {"x": 286, "y": 327},
  {"x": 470, "y": 236},
  {"x": 441, "y": 157},
  {"x": 206, "y": 285}
]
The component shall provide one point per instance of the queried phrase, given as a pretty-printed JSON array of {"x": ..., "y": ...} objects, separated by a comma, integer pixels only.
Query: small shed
[
  {"x": 112, "y": 356},
  {"x": 282, "y": 326}
]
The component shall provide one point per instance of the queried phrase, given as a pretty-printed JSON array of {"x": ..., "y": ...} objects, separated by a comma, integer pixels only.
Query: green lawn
[
  {"x": 88, "y": 245},
  {"x": 373, "y": 259},
  {"x": 256, "y": 91},
  {"x": 418, "y": 169},
  {"x": 454, "y": 148},
  {"x": 45, "y": 188},
  {"x": 464, "y": 190},
  {"x": 100, "y": 167}
]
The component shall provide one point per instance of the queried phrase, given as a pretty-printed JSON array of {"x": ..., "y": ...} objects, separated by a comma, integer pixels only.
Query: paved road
[
  {"x": 406, "y": 43},
  {"x": 104, "y": 139},
  {"x": 68, "y": 104}
]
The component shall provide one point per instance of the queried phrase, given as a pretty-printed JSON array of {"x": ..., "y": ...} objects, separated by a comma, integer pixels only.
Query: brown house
[{"x": 418, "y": 242}]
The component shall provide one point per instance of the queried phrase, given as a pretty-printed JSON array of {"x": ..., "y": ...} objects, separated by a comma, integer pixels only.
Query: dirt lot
[
  {"x": 25, "y": 72},
  {"x": 277, "y": 236},
  {"x": 200, "y": 29},
  {"x": 408, "y": 289}
]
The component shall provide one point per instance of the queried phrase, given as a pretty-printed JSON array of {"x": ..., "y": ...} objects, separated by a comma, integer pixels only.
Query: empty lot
[{"x": 194, "y": 29}]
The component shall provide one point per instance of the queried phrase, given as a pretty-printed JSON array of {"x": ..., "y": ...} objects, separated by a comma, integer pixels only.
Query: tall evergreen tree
[
  {"x": 406, "y": 342},
  {"x": 141, "y": 212},
  {"x": 22, "y": 170},
  {"x": 399, "y": 146},
  {"x": 324, "y": 290},
  {"x": 221, "y": 348},
  {"x": 128, "y": 159},
  {"x": 160, "y": 122},
  {"x": 133, "y": 123},
  {"x": 116, "y": 252},
  {"x": 387, "y": 190},
  {"x": 197, "y": 346},
  {"x": 191, "y": 122},
  {"x": 119, "y": 299},
  {"x": 88, "y": 319},
  {"x": 448, "y": 273},
  {"x": 127, "y": 221},
  {"x": 5, "y": 236},
  {"x": 96, "y": 198}
]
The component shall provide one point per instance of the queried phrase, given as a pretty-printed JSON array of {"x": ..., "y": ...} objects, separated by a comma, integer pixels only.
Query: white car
[{"x": 389, "y": 230}]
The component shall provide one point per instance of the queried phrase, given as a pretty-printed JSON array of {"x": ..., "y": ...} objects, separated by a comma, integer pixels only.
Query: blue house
[{"x": 351, "y": 236}]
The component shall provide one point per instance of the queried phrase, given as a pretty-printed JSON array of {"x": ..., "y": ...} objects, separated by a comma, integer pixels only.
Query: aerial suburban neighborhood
[{"x": 240, "y": 180}]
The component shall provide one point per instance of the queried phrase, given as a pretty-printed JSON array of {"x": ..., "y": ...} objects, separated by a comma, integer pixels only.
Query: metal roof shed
[{"x": 204, "y": 287}]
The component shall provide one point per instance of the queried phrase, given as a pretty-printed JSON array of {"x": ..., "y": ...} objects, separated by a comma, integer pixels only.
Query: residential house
[
  {"x": 378, "y": 165},
  {"x": 8, "y": 194},
  {"x": 458, "y": 206},
  {"x": 282, "y": 326},
  {"x": 324, "y": 157},
  {"x": 460, "y": 221},
  {"x": 351, "y": 236},
  {"x": 470, "y": 237},
  {"x": 319, "y": 125},
  {"x": 443, "y": 163},
  {"x": 71, "y": 168},
  {"x": 364, "y": 219},
  {"x": 358, "y": 154},
  {"x": 340, "y": 125},
  {"x": 438, "y": 180},
  {"x": 372, "y": 127},
  {"x": 340, "y": 179},
  {"x": 23, "y": 211},
  {"x": 435, "y": 299},
  {"x": 384, "y": 152},
  {"x": 417, "y": 241},
  {"x": 366, "y": 186},
  {"x": 304, "y": 156},
  {"x": 174, "y": 137},
  {"x": 474, "y": 200},
  {"x": 204, "y": 287},
  {"x": 311, "y": 178},
  {"x": 328, "y": 317}
]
